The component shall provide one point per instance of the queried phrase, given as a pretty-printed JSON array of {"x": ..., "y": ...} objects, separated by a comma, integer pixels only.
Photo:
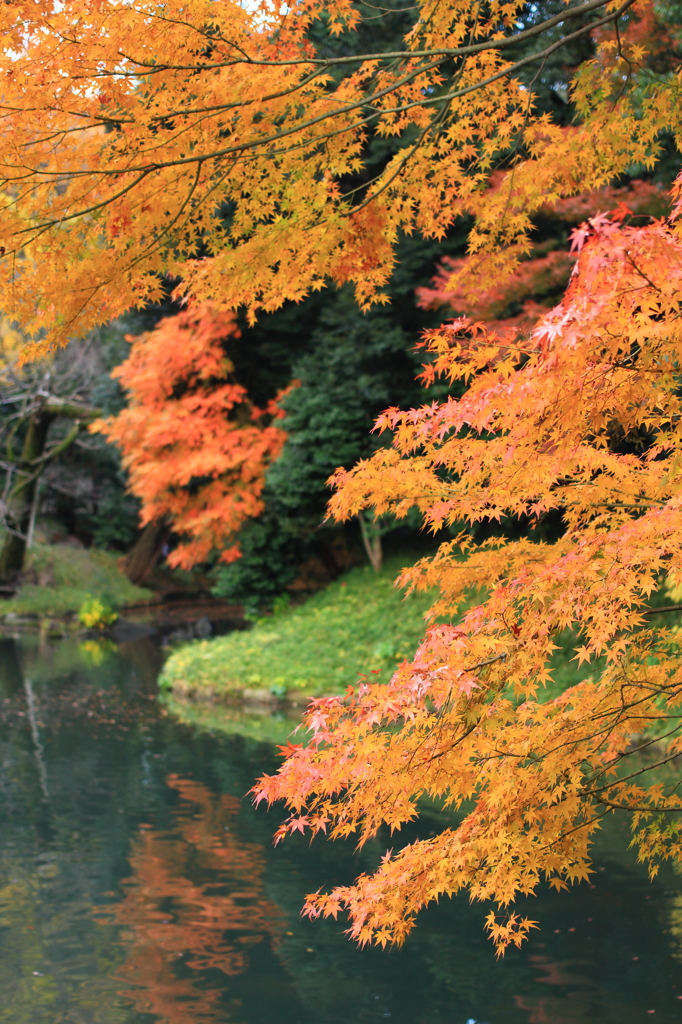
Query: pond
[{"x": 139, "y": 885}]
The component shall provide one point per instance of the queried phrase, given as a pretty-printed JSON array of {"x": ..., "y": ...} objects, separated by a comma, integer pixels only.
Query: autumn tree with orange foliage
[
  {"x": 196, "y": 449},
  {"x": 468, "y": 718},
  {"x": 128, "y": 125}
]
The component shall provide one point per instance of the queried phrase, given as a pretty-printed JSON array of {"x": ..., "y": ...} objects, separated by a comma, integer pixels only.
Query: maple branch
[
  {"x": 646, "y": 809},
  {"x": 660, "y": 611},
  {"x": 401, "y": 166},
  {"x": 633, "y": 775},
  {"x": 146, "y": 169},
  {"x": 442, "y": 753},
  {"x": 577, "y": 828},
  {"x": 217, "y": 108},
  {"x": 472, "y": 668},
  {"x": 166, "y": 230},
  {"x": 621, "y": 714},
  {"x": 633, "y": 750},
  {"x": 46, "y": 225},
  {"x": 325, "y": 62},
  {"x": 631, "y": 261},
  {"x": 489, "y": 661}
]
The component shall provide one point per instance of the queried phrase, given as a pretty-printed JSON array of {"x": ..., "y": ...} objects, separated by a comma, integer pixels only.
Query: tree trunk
[
  {"x": 371, "y": 538},
  {"x": 21, "y": 496},
  {"x": 145, "y": 552}
]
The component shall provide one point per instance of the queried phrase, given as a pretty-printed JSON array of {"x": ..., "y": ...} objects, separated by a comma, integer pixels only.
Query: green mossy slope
[{"x": 359, "y": 625}]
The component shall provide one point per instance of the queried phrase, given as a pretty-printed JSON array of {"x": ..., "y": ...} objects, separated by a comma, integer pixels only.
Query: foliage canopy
[{"x": 128, "y": 126}]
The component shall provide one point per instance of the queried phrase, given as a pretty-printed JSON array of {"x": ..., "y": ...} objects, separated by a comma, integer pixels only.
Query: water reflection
[
  {"x": 574, "y": 1008},
  {"x": 194, "y": 902},
  {"x": 37, "y": 745},
  {"x": 138, "y": 886}
]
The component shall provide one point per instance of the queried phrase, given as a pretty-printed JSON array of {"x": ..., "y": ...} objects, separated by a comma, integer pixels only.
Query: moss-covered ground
[{"x": 360, "y": 625}]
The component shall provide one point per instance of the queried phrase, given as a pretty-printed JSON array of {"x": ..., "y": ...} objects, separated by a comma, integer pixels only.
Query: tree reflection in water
[
  {"x": 574, "y": 1005},
  {"x": 193, "y": 905}
]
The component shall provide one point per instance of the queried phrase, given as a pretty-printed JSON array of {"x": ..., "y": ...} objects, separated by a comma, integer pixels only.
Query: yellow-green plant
[{"x": 94, "y": 614}]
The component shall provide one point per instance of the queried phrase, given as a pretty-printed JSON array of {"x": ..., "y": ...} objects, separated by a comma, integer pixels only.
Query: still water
[{"x": 139, "y": 885}]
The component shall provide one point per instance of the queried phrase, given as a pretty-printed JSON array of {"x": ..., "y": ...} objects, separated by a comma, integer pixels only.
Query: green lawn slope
[{"x": 359, "y": 625}]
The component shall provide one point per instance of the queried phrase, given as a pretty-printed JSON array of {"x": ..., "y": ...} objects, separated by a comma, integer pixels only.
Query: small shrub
[{"x": 94, "y": 614}]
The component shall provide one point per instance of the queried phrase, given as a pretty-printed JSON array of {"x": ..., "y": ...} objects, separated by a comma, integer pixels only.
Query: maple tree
[
  {"x": 540, "y": 428},
  {"x": 195, "y": 448}
]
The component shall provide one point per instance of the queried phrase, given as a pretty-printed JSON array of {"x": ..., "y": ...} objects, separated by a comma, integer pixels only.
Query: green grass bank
[
  {"x": 58, "y": 579},
  {"x": 357, "y": 625}
]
